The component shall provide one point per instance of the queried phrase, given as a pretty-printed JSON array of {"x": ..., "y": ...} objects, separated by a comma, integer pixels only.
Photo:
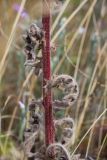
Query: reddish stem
[{"x": 47, "y": 98}]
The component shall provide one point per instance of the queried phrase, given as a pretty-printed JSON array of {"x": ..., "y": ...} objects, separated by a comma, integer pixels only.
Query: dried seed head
[
  {"x": 68, "y": 85},
  {"x": 57, "y": 150}
]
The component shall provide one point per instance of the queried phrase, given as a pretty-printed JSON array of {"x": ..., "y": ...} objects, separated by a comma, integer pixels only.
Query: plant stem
[{"x": 47, "y": 98}]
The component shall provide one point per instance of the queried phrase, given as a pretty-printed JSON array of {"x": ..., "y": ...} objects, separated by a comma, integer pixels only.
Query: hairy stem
[{"x": 47, "y": 98}]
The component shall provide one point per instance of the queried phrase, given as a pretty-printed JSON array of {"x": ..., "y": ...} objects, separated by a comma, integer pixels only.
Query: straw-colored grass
[{"x": 75, "y": 45}]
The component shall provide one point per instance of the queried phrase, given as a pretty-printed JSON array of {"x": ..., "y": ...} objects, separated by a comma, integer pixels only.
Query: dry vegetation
[{"x": 79, "y": 32}]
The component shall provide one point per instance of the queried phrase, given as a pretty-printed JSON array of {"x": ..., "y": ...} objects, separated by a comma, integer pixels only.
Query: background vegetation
[{"x": 79, "y": 32}]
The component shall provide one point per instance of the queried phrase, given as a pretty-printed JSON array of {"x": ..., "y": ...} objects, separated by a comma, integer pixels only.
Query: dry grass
[{"x": 92, "y": 79}]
